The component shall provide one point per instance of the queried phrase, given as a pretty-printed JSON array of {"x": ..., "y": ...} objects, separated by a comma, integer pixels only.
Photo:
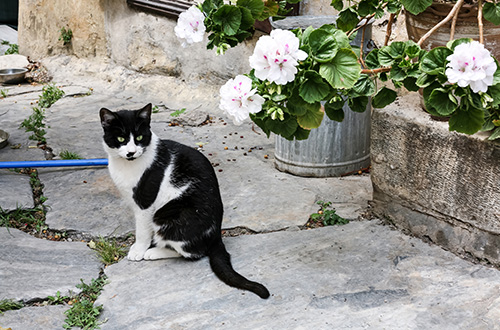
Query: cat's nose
[{"x": 130, "y": 154}]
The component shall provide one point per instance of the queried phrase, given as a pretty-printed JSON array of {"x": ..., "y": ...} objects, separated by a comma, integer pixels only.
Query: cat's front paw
[{"x": 137, "y": 251}]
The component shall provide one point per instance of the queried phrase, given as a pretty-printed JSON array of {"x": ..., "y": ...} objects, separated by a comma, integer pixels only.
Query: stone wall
[
  {"x": 40, "y": 22},
  {"x": 110, "y": 31},
  {"x": 438, "y": 185}
]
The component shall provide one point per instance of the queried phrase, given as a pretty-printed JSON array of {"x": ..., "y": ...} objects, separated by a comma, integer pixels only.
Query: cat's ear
[
  {"x": 107, "y": 117},
  {"x": 145, "y": 113}
]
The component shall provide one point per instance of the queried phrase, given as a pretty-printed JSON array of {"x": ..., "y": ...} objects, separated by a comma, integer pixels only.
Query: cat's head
[{"x": 127, "y": 133}]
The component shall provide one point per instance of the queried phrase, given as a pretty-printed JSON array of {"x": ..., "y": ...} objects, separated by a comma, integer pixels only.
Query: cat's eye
[
  {"x": 120, "y": 139},
  {"x": 139, "y": 138}
]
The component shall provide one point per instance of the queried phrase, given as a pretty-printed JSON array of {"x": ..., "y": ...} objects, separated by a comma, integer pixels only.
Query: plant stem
[
  {"x": 454, "y": 24},
  {"x": 375, "y": 71},
  {"x": 443, "y": 22},
  {"x": 388, "y": 31},
  {"x": 363, "y": 65},
  {"x": 480, "y": 20}
]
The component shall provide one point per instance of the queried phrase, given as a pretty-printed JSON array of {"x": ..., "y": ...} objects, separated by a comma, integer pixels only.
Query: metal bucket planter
[{"x": 334, "y": 148}]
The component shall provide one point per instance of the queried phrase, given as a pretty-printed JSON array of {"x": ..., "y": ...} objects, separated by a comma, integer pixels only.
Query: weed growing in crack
[
  {"x": 3, "y": 93},
  {"x": 65, "y": 154},
  {"x": 50, "y": 94},
  {"x": 35, "y": 122},
  {"x": 109, "y": 251},
  {"x": 326, "y": 216},
  {"x": 84, "y": 313},
  {"x": 9, "y": 305},
  {"x": 58, "y": 299}
]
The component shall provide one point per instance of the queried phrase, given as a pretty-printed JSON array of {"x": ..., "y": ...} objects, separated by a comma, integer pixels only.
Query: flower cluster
[
  {"x": 471, "y": 65},
  {"x": 190, "y": 26},
  {"x": 275, "y": 57},
  {"x": 238, "y": 99}
]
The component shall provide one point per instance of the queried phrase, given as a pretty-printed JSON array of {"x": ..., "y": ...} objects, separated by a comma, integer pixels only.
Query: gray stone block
[
  {"x": 15, "y": 191},
  {"x": 450, "y": 178},
  {"x": 39, "y": 318},
  {"x": 85, "y": 200},
  {"x": 32, "y": 268},
  {"x": 360, "y": 275}
]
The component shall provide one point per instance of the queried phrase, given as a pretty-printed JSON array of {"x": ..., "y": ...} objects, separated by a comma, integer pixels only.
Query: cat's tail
[{"x": 220, "y": 261}]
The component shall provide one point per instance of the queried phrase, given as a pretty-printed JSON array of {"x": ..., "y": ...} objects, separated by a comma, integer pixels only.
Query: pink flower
[
  {"x": 190, "y": 26},
  {"x": 276, "y": 57},
  {"x": 238, "y": 99},
  {"x": 471, "y": 65}
]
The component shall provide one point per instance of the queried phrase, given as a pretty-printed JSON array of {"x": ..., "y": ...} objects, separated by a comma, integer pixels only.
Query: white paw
[
  {"x": 160, "y": 253},
  {"x": 137, "y": 251}
]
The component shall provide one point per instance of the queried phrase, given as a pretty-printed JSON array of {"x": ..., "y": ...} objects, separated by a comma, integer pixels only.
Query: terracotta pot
[{"x": 466, "y": 27}]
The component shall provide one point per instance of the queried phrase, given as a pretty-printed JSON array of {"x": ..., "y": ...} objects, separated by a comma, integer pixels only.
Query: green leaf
[
  {"x": 397, "y": 73},
  {"x": 364, "y": 86},
  {"x": 296, "y": 105},
  {"x": 468, "y": 121},
  {"x": 312, "y": 118},
  {"x": 494, "y": 92},
  {"x": 426, "y": 95},
  {"x": 454, "y": 43},
  {"x": 384, "y": 97},
  {"x": 434, "y": 62},
  {"x": 334, "y": 112},
  {"x": 301, "y": 134},
  {"x": 229, "y": 17},
  {"x": 416, "y": 6},
  {"x": 425, "y": 80},
  {"x": 347, "y": 20},
  {"x": 491, "y": 12},
  {"x": 323, "y": 45},
  {"x": 387, "y": 54},
  {"x": 256, "y": 7},
  {"x": 247, "y": 22},
  {"x": 285, "y": 128},
  {"x": 366, "y": 8},
  {"x": 411, "y": 84},
  {"x": 495, "y": 135},
  {"x": 371, "y": 60},
  {"x": 271, "y": 8},
  {"x": 314, "y": 88},
  {"x": 337, "y": 4},
  {"x": 358, "y": 104},
  {"x": 343, "y": 71},
  {"x": 443, "y": 102}
]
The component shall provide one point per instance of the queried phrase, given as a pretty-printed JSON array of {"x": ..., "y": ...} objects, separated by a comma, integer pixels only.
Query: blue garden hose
[{"x": 55, "y": 163}]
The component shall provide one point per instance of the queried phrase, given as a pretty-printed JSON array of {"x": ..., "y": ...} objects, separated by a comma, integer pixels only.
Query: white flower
[
  {"x": 238, "y": 99},
  {"x": 471, "y": 65},
  {"x": 190, "y": 26},
  {"x": 275, "y": 57}
]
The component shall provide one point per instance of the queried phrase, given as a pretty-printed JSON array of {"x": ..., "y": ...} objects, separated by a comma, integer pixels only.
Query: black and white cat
[{"x": 173, "y": 192}]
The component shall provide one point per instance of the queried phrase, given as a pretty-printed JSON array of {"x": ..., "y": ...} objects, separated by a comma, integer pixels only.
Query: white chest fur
[{"x": 126, "y": 174}]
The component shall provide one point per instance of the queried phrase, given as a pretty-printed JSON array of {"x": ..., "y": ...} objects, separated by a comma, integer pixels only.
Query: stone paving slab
[
  {"x": 35, "y": 318},
  {"x": 32, "y": 268},
  {"x": 85, "y": 201},
  {"x": 359, "y": 276},
  {"x": 15, "y": 191}
]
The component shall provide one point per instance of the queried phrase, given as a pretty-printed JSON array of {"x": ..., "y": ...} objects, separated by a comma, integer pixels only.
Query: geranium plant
[{"x": 299, "y": 76}]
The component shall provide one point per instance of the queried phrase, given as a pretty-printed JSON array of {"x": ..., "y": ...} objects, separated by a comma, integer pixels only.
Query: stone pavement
[{"x": 361, "y": 275}]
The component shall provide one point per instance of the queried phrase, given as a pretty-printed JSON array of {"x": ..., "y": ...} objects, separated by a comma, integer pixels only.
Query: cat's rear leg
[{"x": 160, "y": 253}]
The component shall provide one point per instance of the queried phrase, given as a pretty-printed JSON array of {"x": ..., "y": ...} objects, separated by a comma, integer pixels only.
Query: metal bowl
[
  {"x": 4, "y": 137},
  {"x": 12, "y": 76}
]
